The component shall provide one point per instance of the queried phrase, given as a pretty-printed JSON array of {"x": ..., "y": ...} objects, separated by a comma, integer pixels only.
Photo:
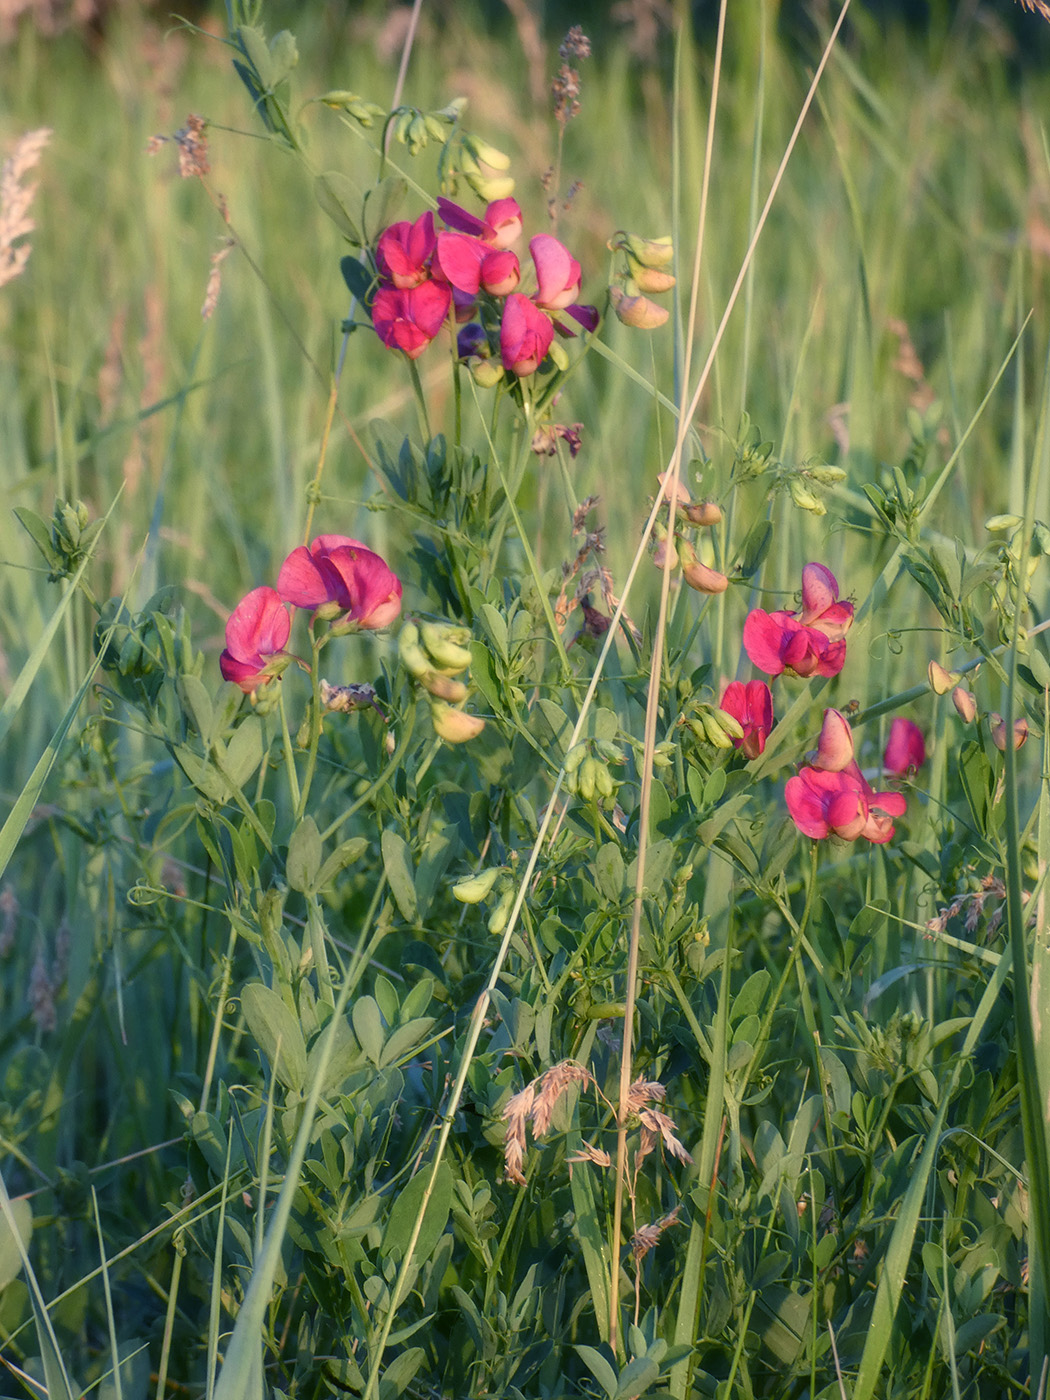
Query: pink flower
[
  {"x": 821, "y": 607},
  {"x": 472, "y": 266},
  {"x": 812, "y": 643},
  {"x": 752, "y": 706},
  {"x": 557, "y": 272},
  {"x": 905, "y": 748},
  {"x": 341, "y": 575},
  {"x": 256, "y": 636},
  {"x": 409, "y": 319},
  {"x": 834, "y": 798},
  {"x": 525, "y": 335},
  {"x": 404, "y": 250},
  {"x": 500, "y": 228},
  {"x": 777, "y": 642}
]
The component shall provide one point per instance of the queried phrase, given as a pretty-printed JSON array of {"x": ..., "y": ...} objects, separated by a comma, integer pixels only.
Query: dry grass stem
[
  {"x": 1037, "y": 7},
  {"x": 16, "y": 198}
]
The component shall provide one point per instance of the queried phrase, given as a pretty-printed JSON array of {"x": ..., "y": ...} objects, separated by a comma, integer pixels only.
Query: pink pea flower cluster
[
  {"x": 832, "y": 797},
  {"x": 470, "y": 268},
  {"x": 338, "y": 579},
  {"x": 810, "y": 643}
]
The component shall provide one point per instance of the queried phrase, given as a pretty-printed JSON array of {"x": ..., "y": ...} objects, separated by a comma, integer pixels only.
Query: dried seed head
[{"x": 15, "y": 200}]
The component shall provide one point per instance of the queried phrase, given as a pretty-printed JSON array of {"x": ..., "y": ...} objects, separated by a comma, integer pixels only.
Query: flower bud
[
  {"x": 444, "y": 687},
  {"x": 454, "y": 726},
  {"x": 965, "y": 703},
  {"x": 941, "y": 681},
  {"x": 698, "y": 575},
  {"x": 485, "y": 154},
  {"x": 650, "y": 279},
  {"x": 835, "y": 745},
  {"x": 413, "y": 657},
  {"x": 486, "y": 373},
  {"x": 477, "y": 887},
  {"x": 648, "y": 252},
  {"x": 664, "y": 546},
  {"x": 704, "y": 513},
  {"x": 998, "y": 727},
  {"x": 637, "y": 311},
  {"x": 804, "y": 498},
  {"x": 446, "y": 645},
  {"x": 826, "y": 475}
]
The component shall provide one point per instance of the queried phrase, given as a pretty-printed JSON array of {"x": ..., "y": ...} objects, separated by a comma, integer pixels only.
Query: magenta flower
[
  {"x": 752, "y": 706},
  {"x": 409, "y": 319},
  {"x": 256, "y": 635},
  {"x": 834, "y": 797},
  {"x": 557, "y": 272},
  {"x": 525, "y": 335},
  {"x": 777, "y": 642},
  {"x": 341, "y": 576},
  {"x": 472, "y": 266},
  {"x": 500, "y": 228},
  {"x": 905, "y": 747},
  {"x": 811, "y": 644},
  {"x": 821, "y": 607},
  {"x": 404, "y": 250}
]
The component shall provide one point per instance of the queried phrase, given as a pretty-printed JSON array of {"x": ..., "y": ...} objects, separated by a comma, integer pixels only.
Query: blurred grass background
[{"x": 909, "y": 242}]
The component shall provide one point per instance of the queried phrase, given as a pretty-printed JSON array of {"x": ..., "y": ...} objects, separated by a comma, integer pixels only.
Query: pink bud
[
  {"x": 941, "y": 680},
  {"x": 905, "y": 748},
  {"x": 965, "y": 703},
  {"x": 998, "y": 727}
]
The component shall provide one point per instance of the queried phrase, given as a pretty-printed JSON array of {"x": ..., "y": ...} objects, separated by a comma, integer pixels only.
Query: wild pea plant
[{"x": 577, "y": 1019}]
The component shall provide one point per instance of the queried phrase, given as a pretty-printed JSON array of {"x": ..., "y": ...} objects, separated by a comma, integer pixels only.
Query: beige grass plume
[{"x": 16, "y": 197}]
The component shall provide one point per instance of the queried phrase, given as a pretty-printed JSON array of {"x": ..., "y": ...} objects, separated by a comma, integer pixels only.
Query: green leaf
[
  {"x": 405, "y": 1211},
  {"x": 304, "y": 857},
  {"x": 381, "y": 205},
  {"x": 495, "y": 625},
  {"x": 609, "y": 870},
  {"x": 10, "y": 1254},
  {"x": 397, "y": 862},
  {"x": 755, "y": 548},
  {"x": 277, "y": 1033},
  {"x": 340, "y": 199},
  {"x": 368, "y": 1027},
  {"x": 39, "y": 532},
  {"x": 257, "y": 50},
  {"x": 600, "y": 1367},
  {"x": 345, "y": 854},
  {"x": 399, "y": 1375},
  {"x": 636, "y": 1378}
]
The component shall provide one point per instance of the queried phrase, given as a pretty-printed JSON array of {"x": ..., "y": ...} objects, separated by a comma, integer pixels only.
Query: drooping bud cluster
[
  {"x": 435, "y": 654},
  {"x": 587, "y": 771},
  {"x": 645, "y": 272},
  {"x": 669, "y": 539}
]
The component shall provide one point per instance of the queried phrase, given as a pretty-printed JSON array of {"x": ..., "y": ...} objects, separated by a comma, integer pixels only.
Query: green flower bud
[
  {"x": 647, "y": 252},
  {"x": 478, "y": 887},
  {"x": 446, "y": 646},
  {"x": 486, "y": 373},
  {"x": 804, "y": 497},
  {"x": 413, "y": 657}
]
